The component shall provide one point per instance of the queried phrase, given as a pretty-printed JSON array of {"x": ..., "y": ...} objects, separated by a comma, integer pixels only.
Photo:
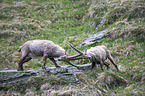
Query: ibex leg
[
  {"x": 56, "y": 65},
  {"x": 93, "y": 65},
  {"x": 22, "y": 59},
  {"x": 107, "y": 64},
  {"x": 111, "y": 59},
  {"x": 101, "y": 65}
]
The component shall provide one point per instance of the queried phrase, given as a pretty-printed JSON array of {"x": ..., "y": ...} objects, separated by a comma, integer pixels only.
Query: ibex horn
[{"x": 75, "y": 48}]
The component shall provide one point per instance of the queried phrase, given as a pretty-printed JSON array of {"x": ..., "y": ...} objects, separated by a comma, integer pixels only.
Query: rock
[
  {"x": 93, "y": 38},
  {"x": 19, "y": 3},
  {"x": 8, "y": 77}
]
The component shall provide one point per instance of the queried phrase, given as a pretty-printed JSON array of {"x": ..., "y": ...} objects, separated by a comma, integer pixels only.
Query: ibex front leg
[
  {"x": 56, "y": 65},
  {"x": 101, "y": 65},
  {"x": 45, "y": 56}
]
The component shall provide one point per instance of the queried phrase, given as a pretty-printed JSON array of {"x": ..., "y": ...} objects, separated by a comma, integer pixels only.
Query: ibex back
[
  {"x": 39, "y": 48},
  {"x": 97, "y": 55}
]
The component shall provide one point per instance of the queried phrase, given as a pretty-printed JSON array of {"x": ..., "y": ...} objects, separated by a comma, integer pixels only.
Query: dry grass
[
  {"x": 128, "y": 32},
  {"x": 71, "y": 21}
]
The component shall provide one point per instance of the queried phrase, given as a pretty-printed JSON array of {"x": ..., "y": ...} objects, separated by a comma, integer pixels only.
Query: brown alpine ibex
[
  {"x": 41, "y": 48},
  {"x": 97, "y": 55}
]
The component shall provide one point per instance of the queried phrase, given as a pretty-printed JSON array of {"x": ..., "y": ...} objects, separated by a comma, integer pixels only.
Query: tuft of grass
[
  {"x": 72, "y": 21},
  {"x": 110, "y": 80},
  {"x": 135, "y": 32},
  {"x": 115, "y": 14}
]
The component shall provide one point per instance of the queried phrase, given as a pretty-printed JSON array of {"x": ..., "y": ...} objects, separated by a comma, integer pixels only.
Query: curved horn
[{"x": 75, "y": 48}]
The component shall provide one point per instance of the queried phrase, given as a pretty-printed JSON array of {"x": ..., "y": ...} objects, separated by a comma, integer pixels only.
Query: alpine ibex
[
  {"x": 97, "y": 55},
  {"x": 40, "y": 48}
]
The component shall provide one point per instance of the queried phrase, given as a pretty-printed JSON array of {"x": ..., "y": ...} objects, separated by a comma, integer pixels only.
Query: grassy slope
[{"x": 62, "y": 21}]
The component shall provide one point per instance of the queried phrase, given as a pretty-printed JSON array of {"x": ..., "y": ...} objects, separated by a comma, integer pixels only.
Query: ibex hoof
[
  {"x": 43, "y": 68},
  {"x": 20, "y": 70}
]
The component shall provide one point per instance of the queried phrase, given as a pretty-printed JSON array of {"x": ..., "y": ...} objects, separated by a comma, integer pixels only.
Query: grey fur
[
  {"x": 97, "y": 55},
  {"x": 39, "y": 48}
]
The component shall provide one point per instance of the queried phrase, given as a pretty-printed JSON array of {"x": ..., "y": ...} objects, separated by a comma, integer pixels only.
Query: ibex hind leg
[
  {"x": 22, "y": 60},
  {"x": 112, "y": 61},
  {"x": 107, "y": 64}
]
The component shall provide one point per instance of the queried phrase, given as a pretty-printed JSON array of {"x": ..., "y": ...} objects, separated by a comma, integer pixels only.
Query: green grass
[{"x": 72, "y": 21}]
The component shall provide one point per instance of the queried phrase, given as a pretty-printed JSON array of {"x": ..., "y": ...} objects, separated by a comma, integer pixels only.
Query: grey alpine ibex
[
  {"x": 97, "y": 55},
  {"x": 40, "y": 48}
]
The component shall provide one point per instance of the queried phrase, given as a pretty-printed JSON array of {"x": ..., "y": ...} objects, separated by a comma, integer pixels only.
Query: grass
[{"x": 72, "y": 21}]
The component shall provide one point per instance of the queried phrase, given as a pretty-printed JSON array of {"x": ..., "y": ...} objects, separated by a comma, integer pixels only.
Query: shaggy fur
[
  {"x": 98, "y": 55},
  {"x": 40, "y": 48}
]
